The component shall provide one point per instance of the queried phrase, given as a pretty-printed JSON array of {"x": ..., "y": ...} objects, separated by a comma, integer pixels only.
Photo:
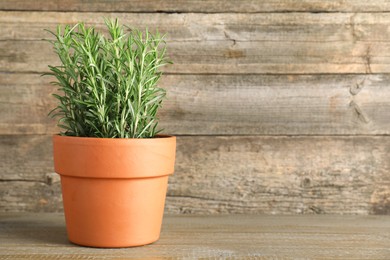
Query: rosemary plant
[{"x": 108, "y": 85}]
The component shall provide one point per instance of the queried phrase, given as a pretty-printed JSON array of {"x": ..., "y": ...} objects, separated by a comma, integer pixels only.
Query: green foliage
[{"x": 108, "y": 85}]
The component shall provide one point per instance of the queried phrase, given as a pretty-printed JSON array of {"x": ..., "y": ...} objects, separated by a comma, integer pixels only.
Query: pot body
[{"x": 114, "y": 189}]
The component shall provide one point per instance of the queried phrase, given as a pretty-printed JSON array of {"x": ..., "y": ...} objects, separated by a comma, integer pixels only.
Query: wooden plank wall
[{"x": 280, "y": 107}]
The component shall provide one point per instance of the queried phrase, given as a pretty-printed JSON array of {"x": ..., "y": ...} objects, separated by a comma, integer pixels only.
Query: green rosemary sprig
[{"x": 108, "y": 85}]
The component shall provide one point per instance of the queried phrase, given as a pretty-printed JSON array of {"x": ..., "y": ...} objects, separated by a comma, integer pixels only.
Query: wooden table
[{"x": 43, "y": 236}]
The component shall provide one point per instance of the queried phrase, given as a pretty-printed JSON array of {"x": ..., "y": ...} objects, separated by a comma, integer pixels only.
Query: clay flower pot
[{"x": 114, "y": 189}]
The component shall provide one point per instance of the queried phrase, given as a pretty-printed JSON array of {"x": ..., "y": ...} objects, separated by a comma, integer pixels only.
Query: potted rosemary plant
[{"x": 114, "y": 166}]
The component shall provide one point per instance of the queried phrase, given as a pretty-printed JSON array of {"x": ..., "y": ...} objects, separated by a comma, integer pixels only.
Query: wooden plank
[
  {"x": 43, "y": 236},
  {"x": 214, "y": 175},
  {"x": 210, "y": 6},
  {"x": 25, "y": 101},
  {"x": 219, "y": 57},
  {"x": 26, "y": 159},
  {"x": 277, "y": 105},
  {"x": 285, "y": 43},
  {"x": 27, "y": 178},
  {"x": 229, "y": 104},
  {"x": 30, "y": 195},
  {"x": 294, "y": 27},
  {"x": 281, "y": 175}
]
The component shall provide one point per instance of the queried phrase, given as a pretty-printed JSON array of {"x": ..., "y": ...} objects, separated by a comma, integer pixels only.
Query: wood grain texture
[
  {"x": 31, "y": 195},
  {"x": 27, "y": 178},
  {"x": 209, "y": 6},
  {"x": 229, "y": 104},
  {"x": 43, "y": 236},
  {"x": 298, "y": 43},
  {"x": 25, "y": 101},
  {"x": 281, "y": 175},
  {"x": 276, "y": 105},
  {"x": 246, "y": 76},
  {"x": 214, "y": 175}
]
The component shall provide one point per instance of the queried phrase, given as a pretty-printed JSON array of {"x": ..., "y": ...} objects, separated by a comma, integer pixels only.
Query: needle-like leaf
[{"x": 108, "y": 86}]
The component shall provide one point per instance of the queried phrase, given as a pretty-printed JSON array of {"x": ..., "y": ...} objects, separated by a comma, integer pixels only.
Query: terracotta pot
[{"x": 114, "y": 189}]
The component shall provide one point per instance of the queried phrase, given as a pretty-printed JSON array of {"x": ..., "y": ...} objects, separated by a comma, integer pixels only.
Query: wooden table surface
[{"x": 43, "y": 236}]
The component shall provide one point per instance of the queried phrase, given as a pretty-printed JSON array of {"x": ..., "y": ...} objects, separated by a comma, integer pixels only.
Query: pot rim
[
  {"x": 90, "y": 157},
  {"x": 106, "y": 139}
]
